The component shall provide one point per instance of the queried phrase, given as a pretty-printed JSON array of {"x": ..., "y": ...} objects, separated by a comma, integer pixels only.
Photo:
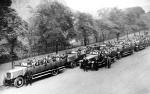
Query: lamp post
[
  {"x": 12, "y": 61},
  {"x": 56, "y": 46},
  {"x": 12, "y": 40}
]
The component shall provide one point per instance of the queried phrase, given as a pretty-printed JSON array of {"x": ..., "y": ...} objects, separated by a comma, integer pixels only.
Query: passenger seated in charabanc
[
  {"x": 48, "y": 58},
  {"x": 29, "y": 62},
  {"x": 45, "y": 61},
  {"x": 53, "y": 58}
]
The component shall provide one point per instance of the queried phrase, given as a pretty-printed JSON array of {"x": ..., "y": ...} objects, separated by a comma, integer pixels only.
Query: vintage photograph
[{"x": 74, "y": 46}]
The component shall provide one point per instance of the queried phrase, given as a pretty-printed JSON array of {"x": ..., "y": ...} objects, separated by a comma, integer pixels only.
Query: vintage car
[
  {"x": 139, "y": 45},
  {"x": 73, "y": 58},
  {"x": 125, "y": 49},
  {"x": 89, "y": 62},
  {"x": 39, "y": 68},
  {"x": 148, "y": 40},
  {"x": 94, "y": 47},
  {"x": 114, "y": 53},
  {"x": 100, "y": 59},
  {"x": 82, "y": 52},
  {"x": 96, "y": 59}
]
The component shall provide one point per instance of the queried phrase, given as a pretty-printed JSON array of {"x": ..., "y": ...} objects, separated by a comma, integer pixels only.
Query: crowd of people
[
  {"x": 112, "y": 50},
  {"x": 103, "y": 51}
]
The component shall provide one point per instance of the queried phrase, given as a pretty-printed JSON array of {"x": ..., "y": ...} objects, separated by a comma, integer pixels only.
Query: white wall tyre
[{"x": 19, "y": 82}]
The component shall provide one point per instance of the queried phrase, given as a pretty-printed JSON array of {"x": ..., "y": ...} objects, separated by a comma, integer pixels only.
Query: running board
[
  {"x": 127, "y": 53},
  {"x": 41, "y": 74}
]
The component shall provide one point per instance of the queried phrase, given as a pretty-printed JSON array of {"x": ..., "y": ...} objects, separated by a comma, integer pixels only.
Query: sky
[
  {"x": 93, "y": 5},
  {"x": 89, "y": 6}
]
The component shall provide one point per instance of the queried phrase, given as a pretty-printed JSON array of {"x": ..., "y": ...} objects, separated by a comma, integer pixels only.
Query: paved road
[{"x": 130, "y": 75}]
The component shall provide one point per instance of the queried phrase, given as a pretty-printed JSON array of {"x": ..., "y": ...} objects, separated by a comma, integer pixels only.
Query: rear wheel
[
  {"x": 119, "y": 56},
  {"x": 19, "y": 82},
  {"x": 114, "y": 60},
  {"x": 73, "y": 64},
  {"x": 55, "y": 72},
  {"x": 132, "y": 51}
]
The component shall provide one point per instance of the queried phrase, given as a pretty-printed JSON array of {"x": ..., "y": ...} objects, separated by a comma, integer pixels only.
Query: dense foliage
[
  {"x": 53, "y": 26},
  {"x": 12, "y": 27}
]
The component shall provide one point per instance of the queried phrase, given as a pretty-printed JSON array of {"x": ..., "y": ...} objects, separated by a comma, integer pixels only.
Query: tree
[
  {"x": 145, "y": 22},
  {"x": 142, "y": 25},
  {"x": 135, "y": 12},
  {"x": 105, "y": 25},
  {"x": 5, "y": 3},
  {"x": 133, "y": 18},
  {"x": 104, "y": 13},
  {"x": 117, "y": 17},
  {"x": 10, "y": 27},
  {"x": 84, "y": 25},
  {"x": 52, "y": 21}
]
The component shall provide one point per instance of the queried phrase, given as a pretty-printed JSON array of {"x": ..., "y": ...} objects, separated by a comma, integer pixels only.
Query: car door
[{"x": 37, "y": 67}]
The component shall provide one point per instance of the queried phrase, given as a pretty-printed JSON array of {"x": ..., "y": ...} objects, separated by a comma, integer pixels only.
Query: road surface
[{"x": 130, "y": 75}]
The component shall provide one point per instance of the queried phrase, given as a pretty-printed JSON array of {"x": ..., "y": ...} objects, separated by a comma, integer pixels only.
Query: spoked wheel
[
  {"x": 132, "y": 51},
  {"x": 55, "y": 72},
  {"x": 136, "y": 49},
  {"x": 73, "y": 64},
  {"x": 119, "y": 56},
  {"x": 19, "y": 82}
]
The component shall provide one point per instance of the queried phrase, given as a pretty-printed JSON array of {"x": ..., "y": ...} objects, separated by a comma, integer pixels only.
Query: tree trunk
[
  {"x": 84, "y": 36},
  {"x": 85, "y": 41},
  {"x": 103, "y": 36},
  {"x": 139, "y": 33},
  {"x": 56, "y": 48},
  {"x": 127, "y": 35},
  {"x": 134, "y": 34},
  {"x": 12, "y": 52}
]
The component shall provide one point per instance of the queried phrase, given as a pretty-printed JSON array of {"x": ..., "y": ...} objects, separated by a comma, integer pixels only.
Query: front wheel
[
  {"x": 19, "y": 82},
  {"x": 118, "y": 56}
]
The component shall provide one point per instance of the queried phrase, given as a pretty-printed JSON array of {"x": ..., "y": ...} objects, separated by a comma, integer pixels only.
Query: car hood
[{"x": 17, "y": 71}]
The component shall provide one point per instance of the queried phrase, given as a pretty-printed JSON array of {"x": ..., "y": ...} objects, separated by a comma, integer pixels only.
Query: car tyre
[
  {"x": 55, "y": 72},
  {"x": 19, "y": 82}
]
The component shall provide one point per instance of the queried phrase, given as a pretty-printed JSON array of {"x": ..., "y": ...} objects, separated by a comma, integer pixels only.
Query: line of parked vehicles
[{"x": 91, "y": 57}]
